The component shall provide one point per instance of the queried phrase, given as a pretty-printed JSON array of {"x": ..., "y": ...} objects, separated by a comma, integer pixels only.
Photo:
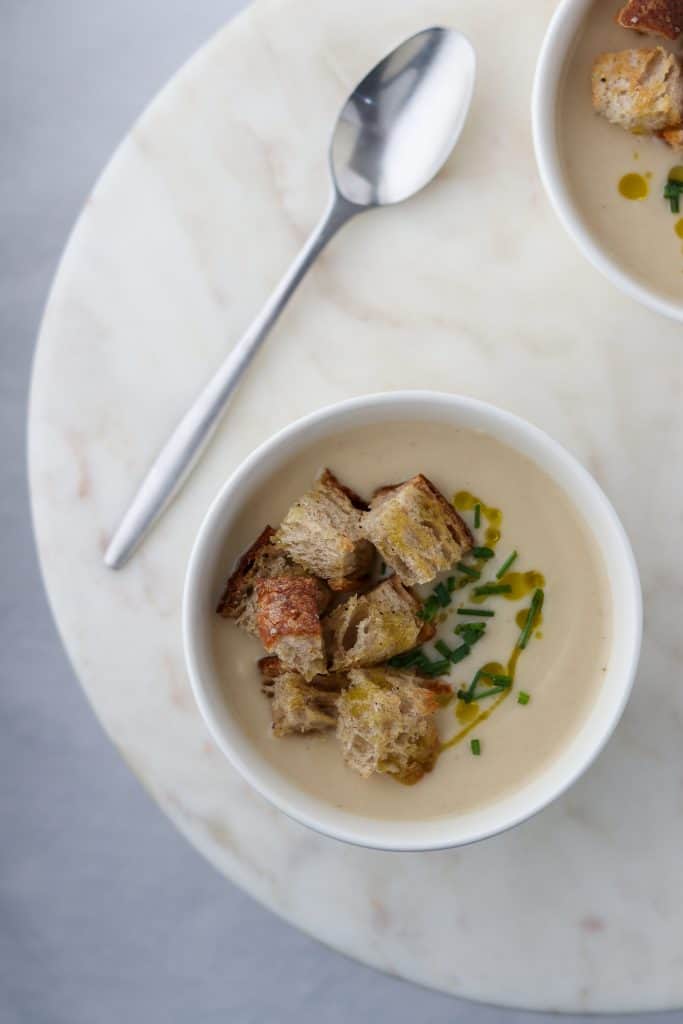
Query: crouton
[
  {"x": 673, "y": 137},
  {"x": 288, "y": 620},
  {"x": 372, "y": 627},
  {"x": 416, "y": 531},
  {"x": 639, "y": 90},
  {"x": 299, "y": 707},
  {"x": 386, "y": 724},
  {"x": 321, "y": 532},
  {"x": 655, "y": 17},
  {"x": 271, "y": 667},
  {"x": 261, "y": 561}
]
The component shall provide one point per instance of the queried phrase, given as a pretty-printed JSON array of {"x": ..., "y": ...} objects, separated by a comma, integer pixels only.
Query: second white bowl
[{"x": 555, "y": 53}]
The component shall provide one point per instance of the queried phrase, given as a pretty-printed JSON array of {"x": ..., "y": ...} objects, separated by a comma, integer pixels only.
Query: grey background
[{"x": 105, "y": 911}]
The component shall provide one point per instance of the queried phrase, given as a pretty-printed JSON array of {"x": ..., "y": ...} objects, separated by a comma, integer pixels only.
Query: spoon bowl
[{"x": 400, "y": 123}]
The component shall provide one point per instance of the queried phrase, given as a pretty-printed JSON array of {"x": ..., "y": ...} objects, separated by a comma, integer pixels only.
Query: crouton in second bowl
[{"x": 490, "y": 712}]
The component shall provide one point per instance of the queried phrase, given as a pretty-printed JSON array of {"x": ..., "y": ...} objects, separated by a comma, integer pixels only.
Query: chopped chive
[
  {"x": 534, "y": 609},
  {"x": 470, "y": 638},
  {"x": 441, "y": 595},
  {"x": 477, "y": 516},
  {"x": 406, "y": 659},
  {"x": 468, "y": 570},
  {"x": 523, "y": 698},
  {"x": 500, "y": 683},
  {"x": 506, "y": 565},
  {"x": 473, "y": 685},
  {"x": 454, "y": 656},
  {"x": 672, "y": 192},
  {"x": 492, "y": 588},
  {"x": 429, "y": 609},
  {"x": 436, "y": 668},
  {"x": 486, "y": 613},
  {"x": 423, "y": 670},
  {"x": 460, "y": 653},
  {"x": 494, "y": 691},
  {"x": 450, "y": 584},
  {"x": 483, "y": 552},
  {"x": 497, "y": 679},
  {"x": 382, "y": 568},
  {"x": 475, "y": 747},
  {"x": 470, "y": 629}
]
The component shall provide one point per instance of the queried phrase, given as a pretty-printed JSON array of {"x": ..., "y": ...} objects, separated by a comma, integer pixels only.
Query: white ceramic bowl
[
  {"x": 557, "y": 45},
  {"x": 203, "y": 586}
]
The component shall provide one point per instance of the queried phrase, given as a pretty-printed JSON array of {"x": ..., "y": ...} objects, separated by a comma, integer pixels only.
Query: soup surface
[
  {"x": 561, "y": 669},
  {"x": 640, "y": 233}
]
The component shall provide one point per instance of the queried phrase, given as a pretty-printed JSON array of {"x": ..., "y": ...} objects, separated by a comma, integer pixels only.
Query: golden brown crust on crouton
[
  {"x": 655, "y": 17},
  {"x": 298, "y": 707},
  {"x": 330, "y": 480},
  {"x": 288, "y": 620},
  {"x": 640, "y": 90},
  {"x": 416, "y": 530},
  {"x": 271, "y": 667},
  {"x": 457, "y": 526},
  {"x": 348, "y": 584},
  {"x": 262, "y": 560},
  {"x": 370, "y": 628},
  {"x": 434, "y": 686},
  {"x": 428, "y": 632},
  {"x": 386, "y": 724},
  {"x": 322, "y": 532},
  {"x": 287, "y": 606},
  {"x": 232, "y": 598},
  {"x": 673, "y": 137},
  {"x": 331, "y": 682}
]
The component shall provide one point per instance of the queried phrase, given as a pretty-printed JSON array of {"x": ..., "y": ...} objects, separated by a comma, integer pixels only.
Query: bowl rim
[
  {"x": 420, "y": 834},
  {"x": 550, "y": 67}
]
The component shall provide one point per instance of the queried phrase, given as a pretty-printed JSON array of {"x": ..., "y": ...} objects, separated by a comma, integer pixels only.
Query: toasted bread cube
[
  {"x": 386, "y": 724},
  {"x": 416, "y": 531},
  {"x": 322, "y": 533},
  {"x": 271, "y": 668},
  {"x": 288, "y": 618},
  {"x": 655, "y": 17},
  {"x": 261, "y": 561},
  {"x": 639, "y": 90},
  {"x": 372, "y": 627},
  {"x": 300, "y": 707}
]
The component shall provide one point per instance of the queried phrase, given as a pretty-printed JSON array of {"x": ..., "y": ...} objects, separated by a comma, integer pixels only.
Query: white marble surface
[{"x": 471, "y": 288}]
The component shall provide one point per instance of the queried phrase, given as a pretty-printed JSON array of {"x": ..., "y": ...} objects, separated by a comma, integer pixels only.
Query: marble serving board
[{"x": 471, "y": 288}]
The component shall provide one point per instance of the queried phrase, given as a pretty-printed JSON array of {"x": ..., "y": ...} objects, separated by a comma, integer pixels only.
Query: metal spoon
[{"x": 393, "y": 134}]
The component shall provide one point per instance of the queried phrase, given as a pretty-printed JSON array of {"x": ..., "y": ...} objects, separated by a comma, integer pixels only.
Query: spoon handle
[{"x": 174, "y": 462}]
